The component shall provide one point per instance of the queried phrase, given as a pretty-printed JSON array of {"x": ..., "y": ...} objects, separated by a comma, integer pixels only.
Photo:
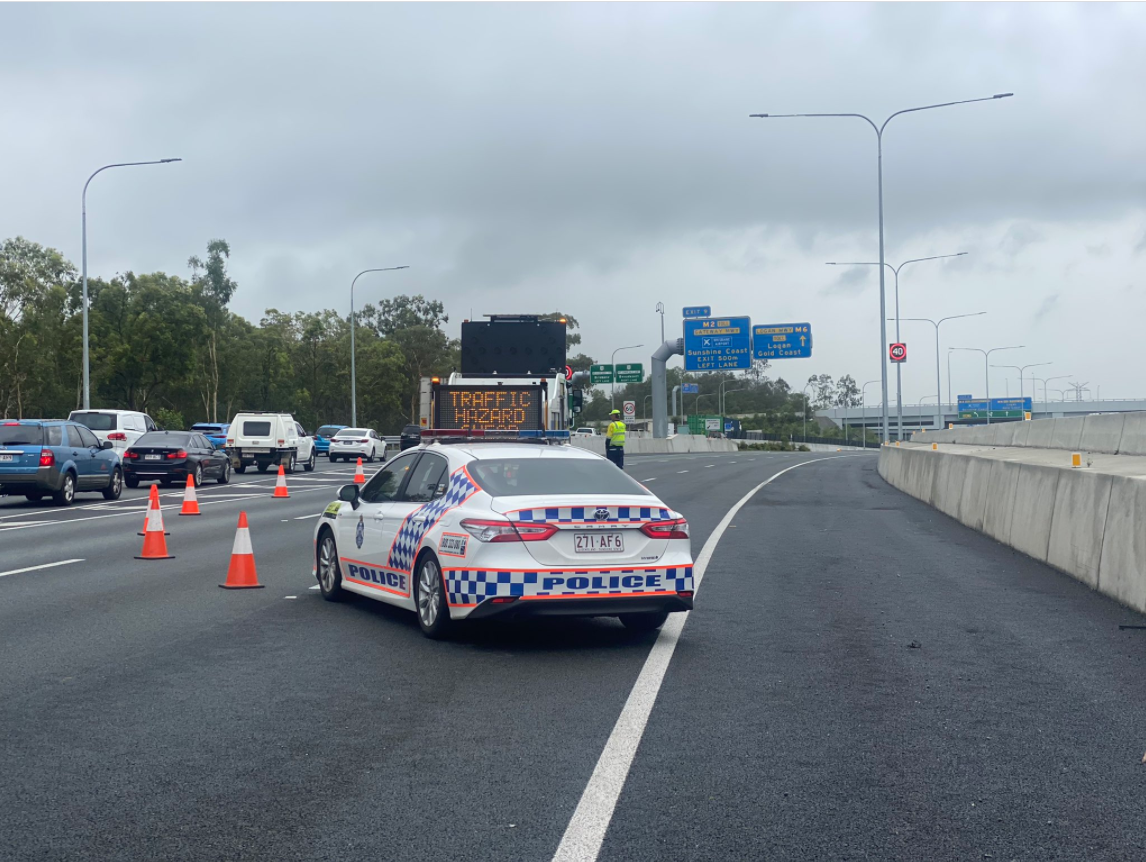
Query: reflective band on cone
[
  {"x": 280, "y": 484},
  {"x": 152, "y": 500},
  {"x": 241, "y": 574},
  {"x": 154, "y": 545},
  {"x": 190, "y": 501},
  {"x": 359, "y": 476}
]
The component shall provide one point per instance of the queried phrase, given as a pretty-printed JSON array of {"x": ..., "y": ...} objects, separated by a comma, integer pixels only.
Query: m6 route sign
[
  {"x": 782, "y": 341},
  {"x": 629, "y": 410},
  {"x": 897, "y": 352}
]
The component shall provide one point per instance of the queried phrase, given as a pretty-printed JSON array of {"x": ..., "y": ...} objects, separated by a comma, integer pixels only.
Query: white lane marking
[
  {"x": 650, "y": 479},
  {"x": 290, "y": 597},
  {"x": 709, "y": 465},
  {"x": 37, "y": 568},
  {"x": 678, "y": 472},
  {"x": 586, "y": 830},
  {"x": 306, "y": 517},
  {"x": 315, "y": 587}
]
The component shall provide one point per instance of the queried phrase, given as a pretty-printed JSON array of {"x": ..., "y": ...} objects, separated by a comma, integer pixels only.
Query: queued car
[
  {"x": 170, "y": 456},
  {"x": 266, "y": 440},
  {"x": 476, "y": 530},
  {"x": 57, "y": 458},
  {"x": 322, "y": 437},
  {"x": 216, "y": 432},
  {"x": 410, "y": 437},
  {"x": 121, "y": 427},
  {"x": 350, "y": 444}
]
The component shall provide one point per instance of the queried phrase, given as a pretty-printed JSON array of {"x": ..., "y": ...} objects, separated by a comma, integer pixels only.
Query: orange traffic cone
[
  {"x": 359, "y": 476},
  {"x": 152, "y": 502},
  {"x": 190, "y": 501},
  {"x": 241, "y": 574},
  {"x": 154, "y": 545},
  {"x": 280, "y": 484}
]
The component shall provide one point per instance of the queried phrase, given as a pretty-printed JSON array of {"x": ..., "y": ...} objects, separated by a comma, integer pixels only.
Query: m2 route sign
[
  {"x": 717, "y": 344},
  {"x": 782, "y": 341}
]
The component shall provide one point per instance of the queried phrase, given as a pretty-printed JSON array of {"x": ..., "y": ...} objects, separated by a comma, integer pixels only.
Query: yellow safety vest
[{"x": 616, "y": 433}]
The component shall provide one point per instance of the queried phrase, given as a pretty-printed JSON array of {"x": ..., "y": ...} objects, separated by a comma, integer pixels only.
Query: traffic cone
[
  {"x": 280, "y": 484},
  {"x": 154, "y": 545},
  {"x": 152, "y": 501},
  {"x": 190, "y": 501},
  {"x": 359, "y": 476},
  {"x": 241, "y": 574}
]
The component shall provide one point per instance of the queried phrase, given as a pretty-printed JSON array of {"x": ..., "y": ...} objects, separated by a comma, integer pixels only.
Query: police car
[{"x": 474, "y": 529}]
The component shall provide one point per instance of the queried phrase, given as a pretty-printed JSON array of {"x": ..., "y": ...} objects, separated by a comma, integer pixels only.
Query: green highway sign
[
  {"x": 632, "y": 372},
  {"x": 600, "y": 373}
]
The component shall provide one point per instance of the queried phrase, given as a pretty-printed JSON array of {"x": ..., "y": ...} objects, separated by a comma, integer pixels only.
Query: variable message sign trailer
[{"x": 513, "y": 379}]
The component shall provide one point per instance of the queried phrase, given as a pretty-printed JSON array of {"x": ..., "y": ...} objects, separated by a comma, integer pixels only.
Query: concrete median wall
[
  {"x": 679, "y": 444},
  {"x": 1088, "y": 523},
  {"x": 1107, "y": 434}
]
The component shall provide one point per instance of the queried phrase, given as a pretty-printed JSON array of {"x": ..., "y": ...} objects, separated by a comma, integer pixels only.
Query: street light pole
[
  {"x": 938, "y": 382},
  {"x": 879, "y": 158},
  {"x": 724, "y": 399},
  {"x": 1044, "y": 382},
  {"x": 84, "y": 256},
  {"x": 613, "y": 365},
  {"x": 987, "y": 369},
  {"x": 354, "y": 326},
  {"x": 804, "y": 392},
  {"x": 660, "y": 309},
  {"x": 898, "y": 365},
  {"x": 863, "y": 405},
  {"x": 1022, "y": 389}
]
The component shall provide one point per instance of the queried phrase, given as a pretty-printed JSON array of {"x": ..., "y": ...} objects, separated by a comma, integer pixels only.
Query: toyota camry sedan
[{"x": 476, "y": 530}]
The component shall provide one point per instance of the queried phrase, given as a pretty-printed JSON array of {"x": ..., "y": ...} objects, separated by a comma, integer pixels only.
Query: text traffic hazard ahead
[
  {"x": 717, "y": 344},
  {"x": 782, "y": 341}
]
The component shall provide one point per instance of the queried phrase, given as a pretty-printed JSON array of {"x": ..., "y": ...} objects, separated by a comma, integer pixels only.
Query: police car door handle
[{"x": 378, "y": 516}]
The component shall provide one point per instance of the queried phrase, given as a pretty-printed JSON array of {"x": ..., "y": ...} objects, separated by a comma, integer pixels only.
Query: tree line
[{"x": 171, "y": 346}]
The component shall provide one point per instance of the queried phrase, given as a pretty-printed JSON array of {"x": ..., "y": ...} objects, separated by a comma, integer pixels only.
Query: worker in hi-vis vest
[{"x": 615, "y": 440}]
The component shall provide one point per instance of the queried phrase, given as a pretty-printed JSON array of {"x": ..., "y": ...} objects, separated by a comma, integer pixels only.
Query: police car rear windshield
[
  {"x": 96, "y": 421},
  {"x": 21, "y": 435},
  {"x": 509, "y": 477}
]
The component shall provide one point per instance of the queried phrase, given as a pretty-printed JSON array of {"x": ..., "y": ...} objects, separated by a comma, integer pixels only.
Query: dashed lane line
[
  {"x": 586, "y": 830},
  {"x": 38, "y": 568}
]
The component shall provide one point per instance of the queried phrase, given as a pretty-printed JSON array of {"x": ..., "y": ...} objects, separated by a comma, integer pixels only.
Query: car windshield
[
  {"x": 352, "y": 432},
  {"x": 164, "y": 438},
  {"x": 21, "y": 435},
  {"x": 96, "y": 421},
  {"x": 327, "y": 430},
  {"x": 513, "y": 477}
]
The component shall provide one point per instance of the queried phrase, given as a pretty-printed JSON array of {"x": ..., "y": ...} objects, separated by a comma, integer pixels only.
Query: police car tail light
[
  {"x": 47, "y": 456},
  {"x": 677, "y": 529},
  {"x": 506, "y": 531}
]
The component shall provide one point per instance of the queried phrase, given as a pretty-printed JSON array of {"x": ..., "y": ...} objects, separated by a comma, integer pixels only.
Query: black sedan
[{"x": 170, "y": 456}]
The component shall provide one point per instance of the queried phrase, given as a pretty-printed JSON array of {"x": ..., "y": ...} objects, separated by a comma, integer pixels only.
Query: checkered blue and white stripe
[
  {"x": 471, "y": 587},
  {"x": 421, "y": 520},
  {"x": 575, "y": 514}
]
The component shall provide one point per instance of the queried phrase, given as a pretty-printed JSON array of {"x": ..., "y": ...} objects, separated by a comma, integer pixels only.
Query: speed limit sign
[
  {"x": 897, "y": 352},
  {"x": 629, "y": 408}
]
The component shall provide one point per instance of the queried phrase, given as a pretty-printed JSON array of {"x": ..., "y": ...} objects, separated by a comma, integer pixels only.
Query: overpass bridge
[{"x": 922, "y": 417}]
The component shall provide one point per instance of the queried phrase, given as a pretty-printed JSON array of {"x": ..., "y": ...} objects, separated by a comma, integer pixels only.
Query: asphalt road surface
[{"x": 862, "y": 678}]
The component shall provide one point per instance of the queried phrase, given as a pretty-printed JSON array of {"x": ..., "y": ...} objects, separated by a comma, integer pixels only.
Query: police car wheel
[
  {"x": 430, "y": 599},
  {"x": 329, "y": 574},
  {"x": 642, "y": 623}
]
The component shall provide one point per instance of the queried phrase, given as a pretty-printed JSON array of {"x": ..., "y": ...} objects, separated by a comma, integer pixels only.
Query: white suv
[
  {"x": 121, "y": 427},
  {"x": 267, "y": 440}
]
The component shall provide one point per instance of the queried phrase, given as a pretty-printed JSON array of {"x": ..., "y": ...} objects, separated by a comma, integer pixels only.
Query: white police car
[{"x": 477, "y": 530}]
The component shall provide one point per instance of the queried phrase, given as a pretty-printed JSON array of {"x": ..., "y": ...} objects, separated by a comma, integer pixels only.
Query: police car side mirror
[{"x": 349, "y": 494}]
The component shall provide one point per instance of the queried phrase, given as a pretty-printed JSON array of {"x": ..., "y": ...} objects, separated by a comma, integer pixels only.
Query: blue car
[
  {"x": 57, "y": 458},
  {"x": 216, "y": 432},
  {"x": 322, "y": 437}
]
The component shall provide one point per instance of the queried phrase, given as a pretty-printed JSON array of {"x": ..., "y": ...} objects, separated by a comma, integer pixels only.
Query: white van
[
  {"x": 267, "y": 440},
  {"x": 121, "y": 427}
]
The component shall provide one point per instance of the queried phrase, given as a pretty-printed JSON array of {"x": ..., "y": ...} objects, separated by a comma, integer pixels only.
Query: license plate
[
  {"x": 262, "y": 450},
  {"x": 586, "y": 542},
  {"x": 152, "y": 457},
  {"x": 7, "y": 459}
]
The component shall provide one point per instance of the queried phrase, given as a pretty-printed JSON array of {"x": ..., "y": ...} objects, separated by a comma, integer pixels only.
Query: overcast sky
[{"x": 598, "y": 158}]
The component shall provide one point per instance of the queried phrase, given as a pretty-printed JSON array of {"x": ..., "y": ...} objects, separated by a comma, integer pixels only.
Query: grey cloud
[{"x": 1046, "y": 307}]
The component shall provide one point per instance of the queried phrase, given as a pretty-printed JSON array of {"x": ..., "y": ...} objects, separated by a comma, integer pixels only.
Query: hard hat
[{"x": 615, "y": 413}]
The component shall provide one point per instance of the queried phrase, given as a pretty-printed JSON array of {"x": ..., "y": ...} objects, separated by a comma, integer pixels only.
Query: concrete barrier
[
  {"x": 1102, "y": 433},
  {"x": 1121, "y": 571},
  {"x": 1067, "y": 433},
  {"x": 1086, "y": 523},
  {"x": 1022, "y": 432},
  {"x": 1133, "y": 440},
  {"x": 1041, "y": 434},
  {"x": 1078, "y": 524}
]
